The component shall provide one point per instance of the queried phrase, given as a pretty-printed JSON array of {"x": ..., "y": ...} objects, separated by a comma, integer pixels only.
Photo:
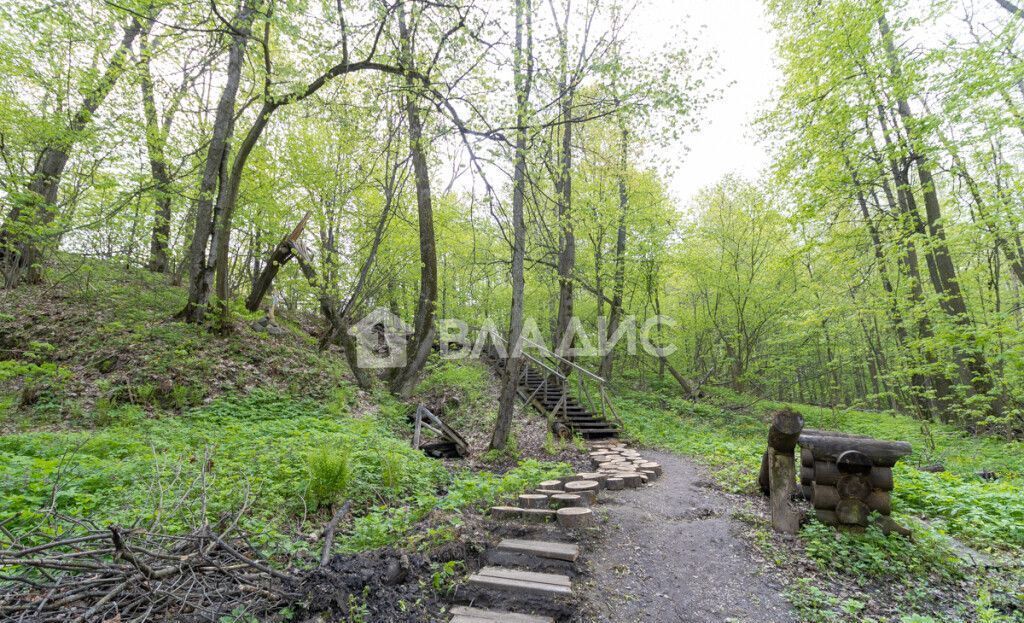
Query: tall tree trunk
[
  {"x": 911, "y": 226},
  {"x": 522, "y": 68},
  {"x": 406, "y": 378},
  {"x": 227, "y": 200},
  {"x": 917, "y": 380},
  {"x": 1011, "y": 8},
  {"x": 563, "y": 188},
  {"x": 156, "y": 137},
  {"x": 975, "y": 370},
  {"x": 214, "y": 172},
  {"x": 20, "y": 237},
  {"x": 619, "y": 283}
]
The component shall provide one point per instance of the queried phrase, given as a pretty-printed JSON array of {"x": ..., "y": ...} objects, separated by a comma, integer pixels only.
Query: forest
[{"x": 213, "y": 211}]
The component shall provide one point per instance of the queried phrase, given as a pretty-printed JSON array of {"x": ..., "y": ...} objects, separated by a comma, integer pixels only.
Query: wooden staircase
[
  {"x": 545, "y": 381},
  {"x": 547, "y": 393}
]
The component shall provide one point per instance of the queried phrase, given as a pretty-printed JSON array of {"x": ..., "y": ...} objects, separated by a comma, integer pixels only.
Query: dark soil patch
[{"x": 384, "y": 585}]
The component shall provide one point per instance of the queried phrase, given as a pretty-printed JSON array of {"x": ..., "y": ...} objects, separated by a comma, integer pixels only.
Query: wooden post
[
  {"x": 782, "y": 472},
  {"x": 782, "y": 438}
]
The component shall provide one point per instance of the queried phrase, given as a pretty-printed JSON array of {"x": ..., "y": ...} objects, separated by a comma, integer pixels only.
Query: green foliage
[
  {"x": 873, "y": 556},
  {"x": 330, "y": 473}
]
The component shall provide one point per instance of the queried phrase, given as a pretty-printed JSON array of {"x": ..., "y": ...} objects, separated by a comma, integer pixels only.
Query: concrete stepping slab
[
  {"x": 544, "y": 549},
  {"x": 465, "y": 614},
  {"x": 522, "y": 582}
]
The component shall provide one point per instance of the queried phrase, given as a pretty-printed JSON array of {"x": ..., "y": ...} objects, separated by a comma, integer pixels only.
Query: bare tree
[{"x": 522, "y": 68}]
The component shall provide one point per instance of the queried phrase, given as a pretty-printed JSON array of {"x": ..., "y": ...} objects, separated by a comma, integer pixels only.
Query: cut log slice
[
  {"x": 856, "y": 486},
  {"x": 880, "y": 501},
  {"x": 537, "y": 514},
  {"x": 652, "y": 467},
  {"x": 631, "y": 480},
  {"x": 506, "y": 512},
  {"x": 533, "y": 500},
  {"x": 577, "y": 486},
  {"x": 548, "y": 492},
  {"x": 651, "y": 476},
  {"x": 853, "y": 512},
  {"x": 827, "y": 517},
  {"x": 853, "y": 462},
  {"x": 551, "y": 484},
  {"x": 596, "y": 477},
  {"x": 575, "y": 517},
  {"x": 561, "y": 500},
  {"x": 615, "y": 483},
  {"x": 881, "y": 478}
]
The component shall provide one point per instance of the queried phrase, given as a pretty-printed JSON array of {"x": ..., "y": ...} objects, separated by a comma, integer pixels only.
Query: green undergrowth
[
  {"x": 727, "y": 433},
  {"x": 72, "y": 352},
  {"x": 289, "y": 461}
]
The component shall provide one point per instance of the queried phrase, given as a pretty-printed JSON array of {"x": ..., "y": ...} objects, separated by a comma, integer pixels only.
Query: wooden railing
[{"x": 590, "y": 388}]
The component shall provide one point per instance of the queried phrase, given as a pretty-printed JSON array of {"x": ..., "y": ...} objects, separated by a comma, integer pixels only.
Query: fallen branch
[{"x": 330, "y": 530}]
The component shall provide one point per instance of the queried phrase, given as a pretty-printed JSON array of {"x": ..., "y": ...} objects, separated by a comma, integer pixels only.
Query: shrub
[{"x": 330, "y": 473}]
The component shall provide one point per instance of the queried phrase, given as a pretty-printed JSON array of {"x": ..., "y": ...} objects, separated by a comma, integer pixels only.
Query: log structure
[{"x": 847, "y": 477}]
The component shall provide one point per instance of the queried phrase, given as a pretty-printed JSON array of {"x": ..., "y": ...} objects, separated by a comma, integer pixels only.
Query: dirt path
[{"x": 672, "y": 554}]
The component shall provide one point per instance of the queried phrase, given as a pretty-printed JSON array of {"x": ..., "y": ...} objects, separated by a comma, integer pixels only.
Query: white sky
[{"x": 739, "y": 34}]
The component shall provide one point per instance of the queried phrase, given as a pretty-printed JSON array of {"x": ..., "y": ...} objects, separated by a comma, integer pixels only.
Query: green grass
[{"x": 280, "y": 456}]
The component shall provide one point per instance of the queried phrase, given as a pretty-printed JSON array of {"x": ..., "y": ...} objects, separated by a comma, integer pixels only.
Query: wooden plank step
[
  {"x": 516, "y": 581},
  {"x": 544, "y": 549},
  {"x": 465, "y": 614}
]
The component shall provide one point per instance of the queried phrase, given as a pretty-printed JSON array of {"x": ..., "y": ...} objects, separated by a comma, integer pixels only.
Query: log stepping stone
[
  {"x": 551, "y": 484},
  {"x": 464, "y": 614},
  {"x": 584, "y": 488},
  {"x": 533, "y": 500},
  {"x": 596, "y": 477},
  {"x": 652, "y": 467},
  {"x": 582, "y": 485},
  {"x": 615, "y": 483},
  {"x": 506, "y": 512},
  {"x": 632, "y": 480},
  {"x": 561, "y": 500},
  {"x": 542, "y": 549},
  {"x": 574, "y": 517},
  {"x": 522, "y": 582},
  {"x": 537, "y": 514}
]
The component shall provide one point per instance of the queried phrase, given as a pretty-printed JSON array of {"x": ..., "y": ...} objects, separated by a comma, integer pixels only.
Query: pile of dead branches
[{"x": 134, "y": 574}]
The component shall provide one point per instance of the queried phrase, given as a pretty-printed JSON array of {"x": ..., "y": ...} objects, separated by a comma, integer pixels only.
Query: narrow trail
[{"x": 672, "y": 553}]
